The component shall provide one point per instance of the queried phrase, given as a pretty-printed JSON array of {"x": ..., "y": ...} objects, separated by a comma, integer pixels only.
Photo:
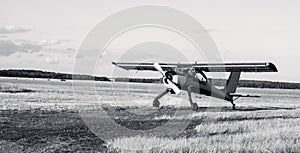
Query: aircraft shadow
[
  {"x": 242, "y": 108},
  {"x": 229, "y": 109},
  {"x": 212, "y": 108}
]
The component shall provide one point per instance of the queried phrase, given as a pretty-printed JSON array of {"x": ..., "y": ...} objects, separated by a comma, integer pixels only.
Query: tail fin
[{"x": 232, "y": 82}]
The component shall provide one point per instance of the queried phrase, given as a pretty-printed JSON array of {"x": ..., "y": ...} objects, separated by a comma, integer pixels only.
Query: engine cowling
[
  {"x": 170, "y": 79},
  {"x": 172, "y": 76}
]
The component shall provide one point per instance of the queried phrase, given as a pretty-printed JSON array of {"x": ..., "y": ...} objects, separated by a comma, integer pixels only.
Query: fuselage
[{"x": 203, "y": 87}]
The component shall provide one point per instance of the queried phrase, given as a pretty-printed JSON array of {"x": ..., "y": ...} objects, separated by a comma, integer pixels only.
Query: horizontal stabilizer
[{"x": 243, "y": 95}]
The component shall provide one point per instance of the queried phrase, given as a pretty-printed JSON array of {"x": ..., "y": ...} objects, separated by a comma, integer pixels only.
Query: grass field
[
  {"x": 261, "y": 131},
  {"x": 48, "y": 119}
]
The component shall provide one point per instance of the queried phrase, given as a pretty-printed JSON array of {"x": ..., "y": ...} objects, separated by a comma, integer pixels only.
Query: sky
[{"x": 47, "y": 35}]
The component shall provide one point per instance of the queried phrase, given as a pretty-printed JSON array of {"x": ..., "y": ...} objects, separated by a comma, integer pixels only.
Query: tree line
[
  {"x": 65, "y": 76},
  {"x": 49, "y": 75}
]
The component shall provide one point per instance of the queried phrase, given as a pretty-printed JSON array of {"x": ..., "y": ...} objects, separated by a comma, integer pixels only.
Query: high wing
[
  {"x": 236, "y": 67},
  {"x": 206, "y": 67},
  {"x": 145, "y": 66}
]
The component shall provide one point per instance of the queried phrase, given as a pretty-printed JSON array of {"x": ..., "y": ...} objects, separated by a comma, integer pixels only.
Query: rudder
[{"x": 232, "y": 82}]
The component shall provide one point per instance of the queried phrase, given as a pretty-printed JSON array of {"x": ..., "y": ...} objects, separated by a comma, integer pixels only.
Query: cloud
[
  {"x": 40, "y": 54},
  {"x": 13, "y": 29},
  {"x": 50, "y": 60},
  {"x": 52, "y": 42},
  {"x": 43, "y": 42},
  {"x": 8, "y": 47},
  {"x": 71, "y": 49}
]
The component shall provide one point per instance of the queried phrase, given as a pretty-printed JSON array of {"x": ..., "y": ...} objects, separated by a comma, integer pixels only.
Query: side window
[{"x": 200, "y": 77}]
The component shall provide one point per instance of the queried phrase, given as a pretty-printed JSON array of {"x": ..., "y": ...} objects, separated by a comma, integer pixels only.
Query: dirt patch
[
  {"x": 16, "y": 90},
  {"x": 47, "y": 131},
  {"x": 125, "y": 118}
]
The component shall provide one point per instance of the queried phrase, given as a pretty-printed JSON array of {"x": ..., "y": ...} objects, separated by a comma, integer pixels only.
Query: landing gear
[
  {"x": 156, "y": 101},
  {"x": 194, "y": 105},
  {"x": 233, "y": 105}
]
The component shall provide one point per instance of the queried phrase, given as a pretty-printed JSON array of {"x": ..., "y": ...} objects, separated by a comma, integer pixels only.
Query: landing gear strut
[
  {"x": 194, "y": 105},
  {"x": 233, "y": 105},
  {"x": 156, "y": 101}
]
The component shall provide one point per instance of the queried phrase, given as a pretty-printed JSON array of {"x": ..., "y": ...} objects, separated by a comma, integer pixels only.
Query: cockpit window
[
  {"x": 182, "y": 70},
  {"x": 200, "y": 77},
  {"x": 191, "y": 72}
]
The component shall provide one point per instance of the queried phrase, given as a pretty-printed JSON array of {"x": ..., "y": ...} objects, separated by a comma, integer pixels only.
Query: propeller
[
  {"x": 174, "y": 87},
  {"x": 158, "y": 68},
  {"x": 169, "y": 82}
]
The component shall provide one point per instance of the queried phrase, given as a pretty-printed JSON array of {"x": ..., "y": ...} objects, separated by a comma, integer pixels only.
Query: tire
[
  {"x": 155, "y": 103},
  {"x": 195, "y": 107}
]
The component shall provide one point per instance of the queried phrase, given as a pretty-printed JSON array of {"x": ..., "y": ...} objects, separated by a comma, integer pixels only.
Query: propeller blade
[
  {"x": 174, "y": 87},
  {"x": 158, "y": 68}
]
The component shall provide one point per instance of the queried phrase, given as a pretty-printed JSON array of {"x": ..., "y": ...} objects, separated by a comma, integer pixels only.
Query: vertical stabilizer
[{"x": 232, "y": 82}]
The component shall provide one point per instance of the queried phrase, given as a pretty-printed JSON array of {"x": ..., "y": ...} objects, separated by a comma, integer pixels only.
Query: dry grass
[
  {"x": 13, "y": 89},
  {"x": 263, "y": 131},
  {"x": 39, "y": 122}
]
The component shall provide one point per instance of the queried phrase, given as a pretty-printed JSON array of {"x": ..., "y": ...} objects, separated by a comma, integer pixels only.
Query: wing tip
[
  {"x": 272, "y": 67},
  {"x": 114, "y": 63},
  {"x": 119, "y": 65}
]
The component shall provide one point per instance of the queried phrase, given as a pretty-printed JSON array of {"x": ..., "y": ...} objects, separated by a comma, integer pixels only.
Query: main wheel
[
  {"x": 155, "y": 103},
  {"x": 194, "y": 106}
]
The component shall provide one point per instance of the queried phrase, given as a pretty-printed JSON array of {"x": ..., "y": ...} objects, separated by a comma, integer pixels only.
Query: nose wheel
[{"x": 155, "y": 103}]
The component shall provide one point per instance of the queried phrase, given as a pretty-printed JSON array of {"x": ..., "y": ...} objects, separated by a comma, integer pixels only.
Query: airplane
[{"x": 191, "y": 77}]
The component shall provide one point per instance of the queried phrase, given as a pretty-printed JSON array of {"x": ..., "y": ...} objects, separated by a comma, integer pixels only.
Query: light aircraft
[{"x": 191, "y": 78}]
